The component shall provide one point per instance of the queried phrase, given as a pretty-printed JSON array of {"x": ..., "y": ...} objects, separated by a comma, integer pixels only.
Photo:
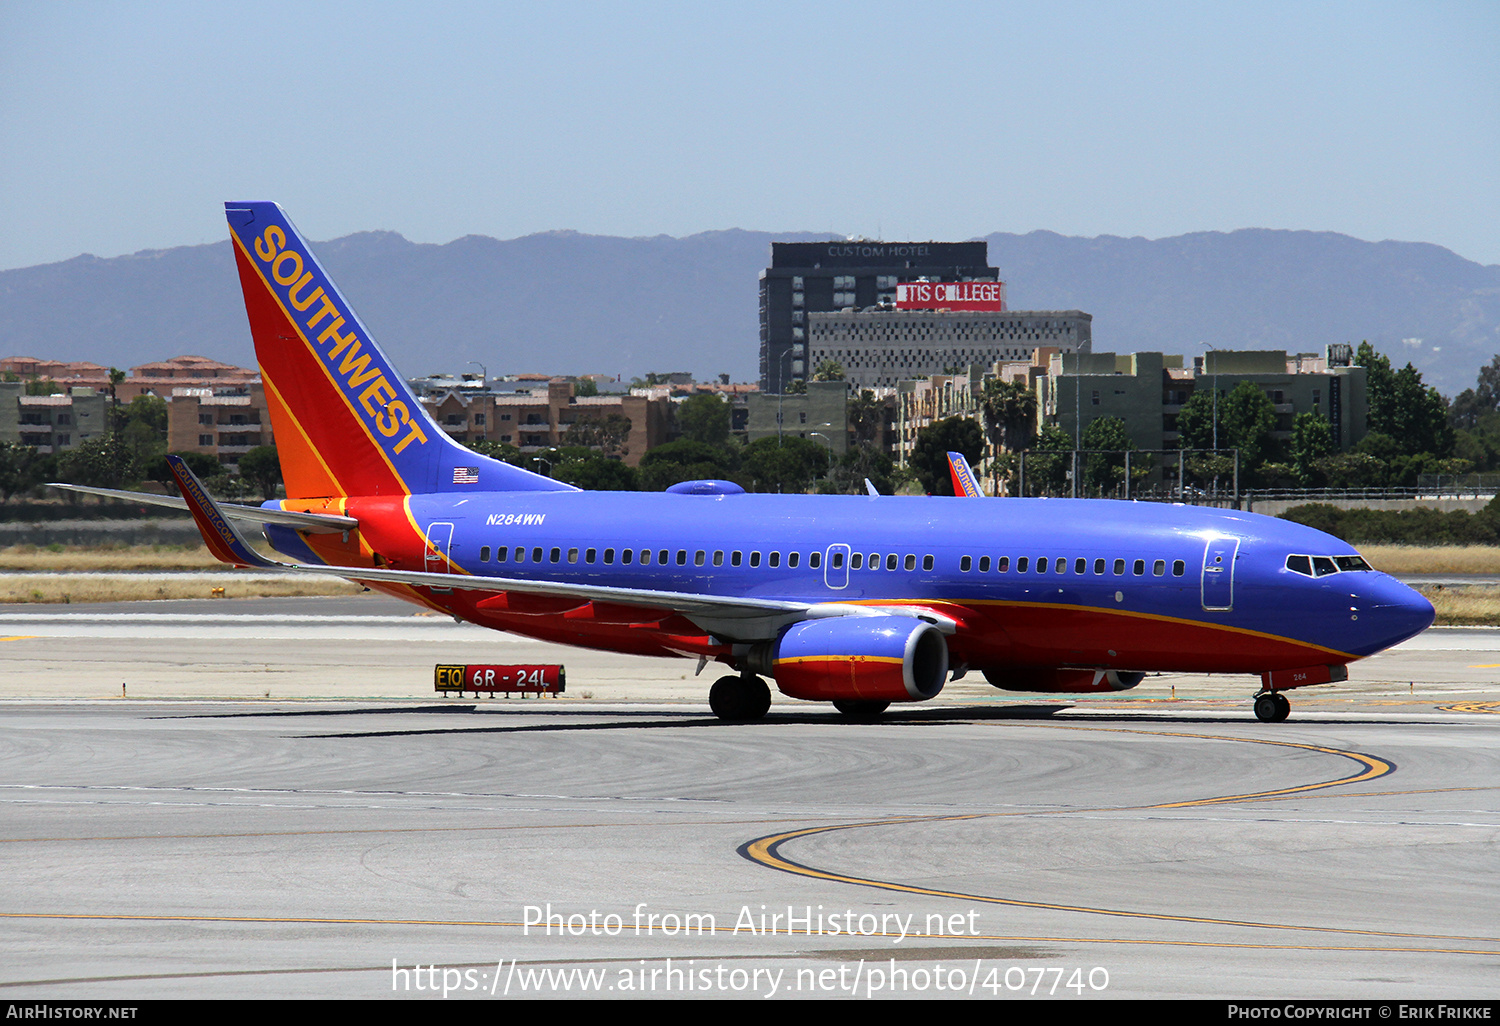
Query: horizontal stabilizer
[{"x": 312, "y": 523}]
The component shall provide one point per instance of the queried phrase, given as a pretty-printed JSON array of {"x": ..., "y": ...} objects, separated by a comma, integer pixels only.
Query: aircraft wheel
[
  {"x": 860, "y": 709},
  {"x": 759, "y": 695},
  {"x": 1283, "y": 707},
  {"x": 738, "y": 699},
  {"x": 1267, "y": 708}
]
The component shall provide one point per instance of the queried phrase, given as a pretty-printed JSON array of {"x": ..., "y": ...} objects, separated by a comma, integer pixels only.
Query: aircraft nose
[{"x": 1395, "y": 611}]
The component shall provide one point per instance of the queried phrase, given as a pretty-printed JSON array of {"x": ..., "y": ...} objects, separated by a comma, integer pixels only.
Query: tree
[
  {"x": 929, "y": 456},
  {"x": 863, "y": 461},
  {"x": 704, "y": 418},
  {"x": 866, "y": 416},
  {"x": 262, "y": 468},
  {"x": 786, "y": 464},
  {"x": 584, "y": 388},
  {"x": 21, "y": 468},
  {"x": 1312, "y": 440},
  {"x": 1009, "y": 412},
  {"x": 607, "y": 433},
  {"x": 1049, "y": 461},
  {"x": 829, "y": 370},
  {"x": 1404, "y": 408},
  {"x": 685, "y": 460},
  {"x": 102, "y": 462},
  {"x": 1247, "y": 422},
  {"x": 503, "y": 451},
  {"x": 597, "y": 473},
  {"x": 1104, "y": 471}
]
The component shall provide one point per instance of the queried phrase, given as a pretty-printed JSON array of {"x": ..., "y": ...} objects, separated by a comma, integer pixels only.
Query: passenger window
[
  {"x": 927, "y": 562},
  {"x": 890, "y": 561},
  {"x": 755, "y": 558},
  {"x": 1003, "y": 566},
  {"x": 775, "y": 559},
  {"x": 1159, "y": 568},
  {"x": 590, "y": 555},
  {"x": 625, "y": 555},
  {"x": 698, "y": 558},
  {"x": 815, "y": 559},
  {"x": 1041, "y": 564},
  {"x": 557, "y": 555},
  {"x": 1061, "y": 565},
  {"x": 536, "y": 554},
  {"x": 874, "y": 563},
  {"x": 1119, "y": 568},
  {"x": 1080, "y": 565},
  {"x": 572, "y": 555},
  {"x": 484, "y": 553},
  {"x": 963, "y": 564},
  {"x": 609, "y": 556},
  {"x": 645, "y": 557},
  {"x": 838, "y": 561},
  {"x": 502, "y": 552},
  {"x": 1098, "y": 568},
  {"x": 857, "y": 561},
  {"x": 1178, "y": 567},
  {"x": 1140, "y": 567},
  {"x": 663, "y": 557},
  {"x": 1022, "y": 564},
  {"x": 911, "y": 561},
  {"x": 984, "y": 564},
  {"x": 736, "y": 557},
  {"x": 682, "y": 557},
  {"x": 718, "y": 557},
  {"x": 792, "y": 558}
]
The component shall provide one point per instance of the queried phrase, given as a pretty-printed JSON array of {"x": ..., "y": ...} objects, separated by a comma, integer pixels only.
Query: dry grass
[
  {"x": 125, "y": 588},
  {"x": 1464, "y": 607},
  {"x": 79, "y": 558},
  {"x": 1433, "y": 559}
]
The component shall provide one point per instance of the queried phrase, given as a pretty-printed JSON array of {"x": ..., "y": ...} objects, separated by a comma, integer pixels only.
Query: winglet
[
  {"x": 963, "y": 478},
  {"x": 219, "y": 534}
]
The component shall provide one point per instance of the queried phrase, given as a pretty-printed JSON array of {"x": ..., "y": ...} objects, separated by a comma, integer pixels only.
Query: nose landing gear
[{"x": 1272, "y": 707}]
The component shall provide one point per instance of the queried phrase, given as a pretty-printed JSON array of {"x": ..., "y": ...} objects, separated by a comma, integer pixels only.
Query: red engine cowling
[
  {"x": 861, "y": 658},
  {"x": 1073, "y": 681}
]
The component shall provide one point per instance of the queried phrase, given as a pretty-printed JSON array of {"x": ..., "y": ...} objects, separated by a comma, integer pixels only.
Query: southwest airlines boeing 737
[{"x": 856, "y": 600}]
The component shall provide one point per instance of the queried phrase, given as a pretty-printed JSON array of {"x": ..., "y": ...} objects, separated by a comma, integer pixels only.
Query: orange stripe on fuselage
[{"x": 323, "y": 415}]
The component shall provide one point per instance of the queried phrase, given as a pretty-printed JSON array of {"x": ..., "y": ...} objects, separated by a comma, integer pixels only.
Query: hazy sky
[{"x": 124, "y": 126}]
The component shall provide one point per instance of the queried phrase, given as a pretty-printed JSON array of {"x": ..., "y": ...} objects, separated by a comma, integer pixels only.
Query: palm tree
[{"x": 1009, "y": 411}]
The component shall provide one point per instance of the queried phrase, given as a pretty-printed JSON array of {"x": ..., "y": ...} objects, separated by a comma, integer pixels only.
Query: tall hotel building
[{"x": 881, "y": 311}]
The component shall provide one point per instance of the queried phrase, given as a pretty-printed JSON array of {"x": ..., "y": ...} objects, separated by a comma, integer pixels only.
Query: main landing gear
[
  {"x": 1272, "y": 707},
  {"x": 739, "y": 699}
]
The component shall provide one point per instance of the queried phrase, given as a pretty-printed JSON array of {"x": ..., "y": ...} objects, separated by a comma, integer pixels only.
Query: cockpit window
[{"x": 1322, "y": 566}]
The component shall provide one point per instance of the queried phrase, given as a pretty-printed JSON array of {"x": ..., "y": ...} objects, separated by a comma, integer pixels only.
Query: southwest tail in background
[{"x": 344, "y": 419}]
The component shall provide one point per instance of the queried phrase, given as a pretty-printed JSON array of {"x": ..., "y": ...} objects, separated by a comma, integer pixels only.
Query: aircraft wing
[
  {"x": 314, "y": 523},
  {"x": 733, "y": 617}
]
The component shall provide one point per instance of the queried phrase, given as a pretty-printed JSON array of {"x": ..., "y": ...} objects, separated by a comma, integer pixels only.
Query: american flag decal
[{"x": 465, "y": 475}]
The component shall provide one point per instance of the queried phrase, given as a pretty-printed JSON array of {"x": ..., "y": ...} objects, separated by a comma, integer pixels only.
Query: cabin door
[
  {"x": 439, "y": 543},
  {"x": 836, "y": 566},
  {"x": 1218, "y": 573}
]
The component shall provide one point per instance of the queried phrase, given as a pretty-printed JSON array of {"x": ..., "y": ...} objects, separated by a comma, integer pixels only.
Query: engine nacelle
[
  {"x": 869, "y": 658},
  {"x": 1072, "y": 681}
]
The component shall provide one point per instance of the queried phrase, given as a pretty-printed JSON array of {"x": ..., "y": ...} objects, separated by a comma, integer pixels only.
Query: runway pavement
[{"x": 198, "y": 838}]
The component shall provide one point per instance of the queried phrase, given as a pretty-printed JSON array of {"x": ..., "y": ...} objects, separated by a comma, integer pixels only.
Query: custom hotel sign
[{"x": 955, "y": 295}]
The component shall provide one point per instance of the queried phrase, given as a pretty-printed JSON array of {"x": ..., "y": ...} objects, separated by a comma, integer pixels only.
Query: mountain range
[{"x": 569, "y": 303}]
